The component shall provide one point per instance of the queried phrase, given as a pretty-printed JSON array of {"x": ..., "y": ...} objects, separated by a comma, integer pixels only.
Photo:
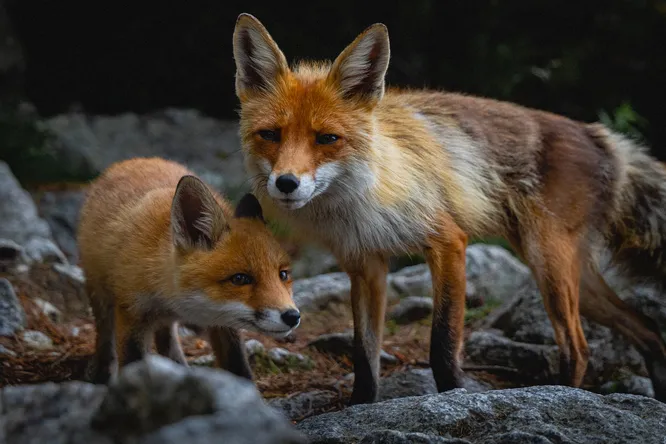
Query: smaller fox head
[
  {"x": 231, "y": 271},
  {"x": 309, "y": 129}
]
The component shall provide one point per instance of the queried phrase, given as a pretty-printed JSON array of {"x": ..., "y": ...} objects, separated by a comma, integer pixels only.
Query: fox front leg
[
  {"x": 229, "y": 348},
  {"x": 368, "y": 296}
]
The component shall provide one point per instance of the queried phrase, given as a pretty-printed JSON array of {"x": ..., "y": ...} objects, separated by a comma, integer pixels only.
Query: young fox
[
  {"x": 159, "y": 246},
  {"x": 371, "y": 172}
]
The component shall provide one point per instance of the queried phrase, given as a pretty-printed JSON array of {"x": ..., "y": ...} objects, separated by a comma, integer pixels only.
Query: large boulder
[
  {"x": 546, "y": 414},
  {"x": 20, "y": 222},
  {"x": 210, "y": 147},
  {"x": 153, "y": 401},
  {"x": 519, "y": 334}
]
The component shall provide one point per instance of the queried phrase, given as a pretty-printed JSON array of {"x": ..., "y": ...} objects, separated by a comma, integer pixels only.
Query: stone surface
[
  {"x": 12, "y": 316},
  {"x": 280, "y": 355},
  {"x": 418, "y": 382},
  {"x": 527, "y": 333},
  {"x": 312, "y": 261},
  {"x": 50, "y": 310},
  {"x": 61, "y": 210},
  {"x": 36, "y": 340},
  {"x": 336, "y": 344},
  {"x": 411, "y": 309},
  {"x": 20, "y": 222},
  {"x": 492, "y": 273},
  {"x": 302, "y": 404},
  {"x": 546, "y": 414},
  {"x": 89, "y": 144},
  {"x": 317, "y": 292},
  {"x": 154, "y": 401}
]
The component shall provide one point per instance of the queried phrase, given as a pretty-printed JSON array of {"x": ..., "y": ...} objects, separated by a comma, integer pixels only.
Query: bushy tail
[{"x": 637, "y": 229}]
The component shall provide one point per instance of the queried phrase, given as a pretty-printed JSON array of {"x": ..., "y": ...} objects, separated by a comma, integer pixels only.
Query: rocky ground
[{"x": 46, "y": 336}]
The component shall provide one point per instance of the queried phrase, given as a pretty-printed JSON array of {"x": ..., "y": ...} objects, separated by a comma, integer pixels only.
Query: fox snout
[
  {"x": 275, "y": 322},
  {"x": 289, "y": 190}
]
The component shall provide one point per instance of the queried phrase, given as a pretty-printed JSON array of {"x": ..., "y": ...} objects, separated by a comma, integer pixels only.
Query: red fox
[
  {"x": 159, "y": 246},
  {"x": 370, "y": 171}
]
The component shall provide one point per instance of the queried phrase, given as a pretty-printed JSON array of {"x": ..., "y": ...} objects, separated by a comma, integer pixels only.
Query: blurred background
[{"x": 83, "y": 84}]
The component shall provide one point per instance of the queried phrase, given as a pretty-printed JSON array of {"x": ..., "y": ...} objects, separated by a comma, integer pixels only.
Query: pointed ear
[
  {"x": 197, "y": 220},
  {"x": 250, "y": 207},
  {"x": 259, "y": 61},
  {"x": 359, "y": 70}
]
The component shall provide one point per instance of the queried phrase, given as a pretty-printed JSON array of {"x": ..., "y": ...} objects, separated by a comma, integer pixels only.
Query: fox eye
[
  {"x": 326, "y": 139},
  {"x": 241, "y": 279},
  {"x": 270, "y": 135},
  {"x": 285, "y": 275}
]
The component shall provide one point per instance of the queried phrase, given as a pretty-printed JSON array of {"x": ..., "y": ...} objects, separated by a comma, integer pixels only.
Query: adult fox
[{"x": 370, "y": 172}]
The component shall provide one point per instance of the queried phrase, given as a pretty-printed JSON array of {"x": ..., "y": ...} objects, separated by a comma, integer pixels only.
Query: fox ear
[
  {"x": 197, "y": 220},
  {"x": 259, "y": 61},
  {"x": 359, "y": 70},
  {"x": 249, "y": 207}
]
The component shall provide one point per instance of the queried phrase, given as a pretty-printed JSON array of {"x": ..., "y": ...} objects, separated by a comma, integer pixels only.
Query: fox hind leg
[
  {"x": 445, "y": 255},
  {"x": 599, "y": 303}
]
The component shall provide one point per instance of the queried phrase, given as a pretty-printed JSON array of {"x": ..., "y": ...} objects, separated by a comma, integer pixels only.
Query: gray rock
[
  {"x": 394, "y": 437},
  {"x": 5, "y": 351},
  {"x": 312, "y": 261},
  {"x": 11, "y": 253},
  {"x": 280, "y": 356},
  {"x": 302, "y": 404},
  {"x": 339, "y": 344},
  {"x": 315, "y": 293},
  {"x": 61, "y": 211},
  {"x": 254, "y": 347},
  {"x": 543, "y": 414},
  {"x": 12, "y": 316},
  {"x": 36, "y": 340},
  {"x": 91, "y": 143},
  {"x": 72, "y": 272},
  {"x": 336, "y": 344},
  {"x": 418, "y": 382},
  {"x": 537, "y": 363},
  {"x": 53, "y": 413},
  {"x": 411, "y": 309},
  {"x": 492, "y": 273},
  {"x": 153, "y": 401},
  {"x": 20, "y": 222},
  {"x": 50, "y": 310},
  {"x": 632, "y": 384},
  {"x": 524, "y": 321}
]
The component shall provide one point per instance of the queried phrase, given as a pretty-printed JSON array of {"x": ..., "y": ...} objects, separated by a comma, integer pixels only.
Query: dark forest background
[{"x": 588, "y": 60}]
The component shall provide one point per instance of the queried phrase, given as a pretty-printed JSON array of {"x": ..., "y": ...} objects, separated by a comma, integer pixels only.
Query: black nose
[
  {"x": 287, "y": 183},
  {"x": 291, "y": 317}
]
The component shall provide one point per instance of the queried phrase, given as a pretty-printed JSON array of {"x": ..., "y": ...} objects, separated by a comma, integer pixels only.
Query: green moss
[{"x": 474, "y": 314}]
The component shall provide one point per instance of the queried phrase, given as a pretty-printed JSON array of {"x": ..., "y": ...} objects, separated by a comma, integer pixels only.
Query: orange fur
[{"x": 140, "y": 279}]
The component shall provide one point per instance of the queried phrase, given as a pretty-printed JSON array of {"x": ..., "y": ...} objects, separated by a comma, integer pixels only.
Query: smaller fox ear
[
  {"x": 359, "y": 70},
  {"x": 197, "y": 220},
  {"x": 259, "y": 61},
  {"x": 250, "y": 207}
]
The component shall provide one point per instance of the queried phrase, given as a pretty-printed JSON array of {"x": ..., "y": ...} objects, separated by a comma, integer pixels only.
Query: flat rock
[
  {"x": 302, "y": 404},
  {"x": 152, "y": 401},
  {"x": 60, "y": 209},
  {"x": 36, "y": 340},
  {"x": 411, "y": 309},
  {"x": 20, "y": 222},
  {"x": 12, "y": 316},
  {"x": 544, "y": 414},
  {"x": 492, "y": 273}
]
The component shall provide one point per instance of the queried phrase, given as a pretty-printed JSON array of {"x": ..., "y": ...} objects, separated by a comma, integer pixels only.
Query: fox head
[
  {"x": 308, "y": 129},
  {"x": 231, "y": 271}
]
